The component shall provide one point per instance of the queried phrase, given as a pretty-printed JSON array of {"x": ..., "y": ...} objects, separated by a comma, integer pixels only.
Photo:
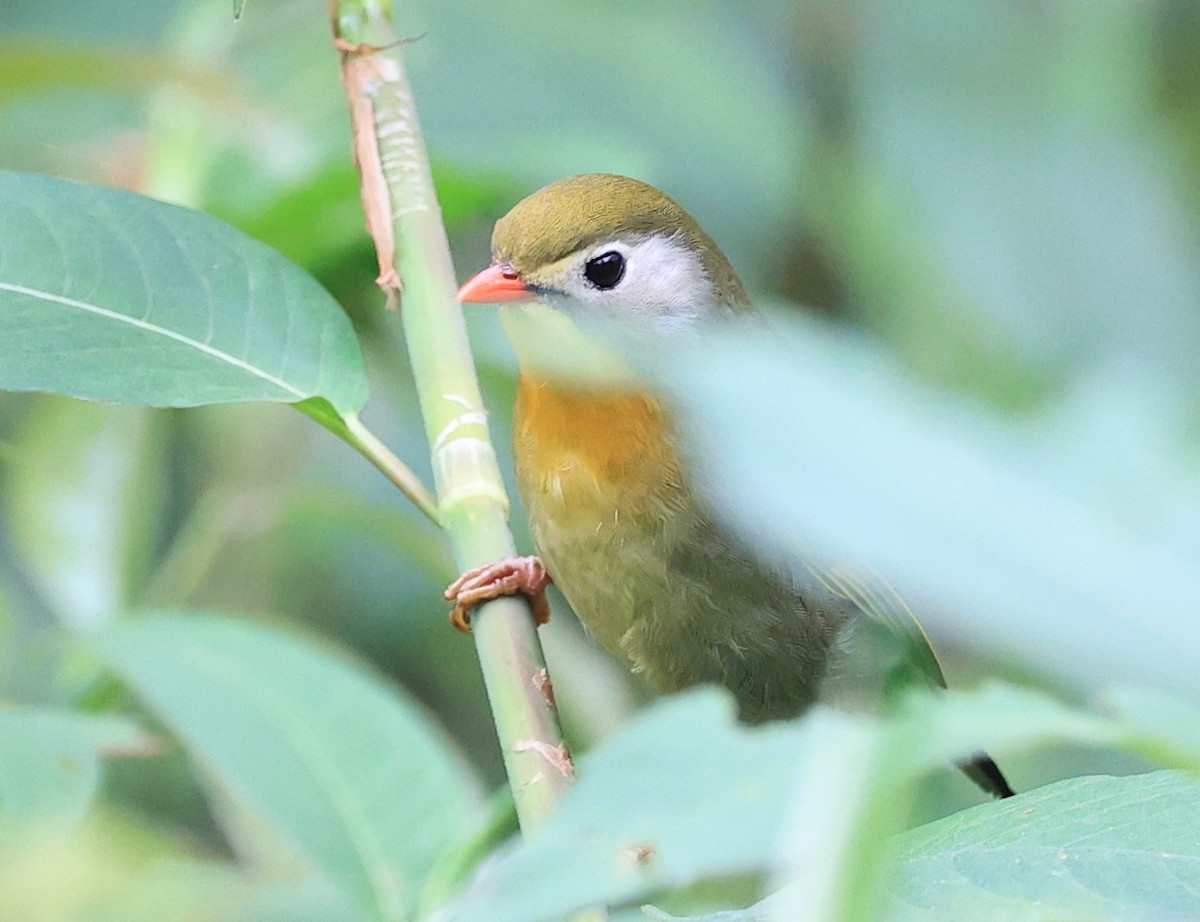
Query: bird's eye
[{"x": 605, "y": 270}]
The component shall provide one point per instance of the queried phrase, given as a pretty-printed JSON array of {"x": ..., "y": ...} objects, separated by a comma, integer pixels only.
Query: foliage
[{"x": 991, "y": 207}]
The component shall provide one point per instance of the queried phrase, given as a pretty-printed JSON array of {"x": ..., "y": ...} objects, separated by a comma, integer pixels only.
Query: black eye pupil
[{"x": 605, "y": 270}]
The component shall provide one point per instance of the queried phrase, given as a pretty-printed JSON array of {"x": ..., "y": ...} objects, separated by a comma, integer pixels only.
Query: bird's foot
[{"x": 504, "y": 577}]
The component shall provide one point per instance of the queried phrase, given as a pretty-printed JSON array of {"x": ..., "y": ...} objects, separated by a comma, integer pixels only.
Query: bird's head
[{"x": 609, "y": 247}]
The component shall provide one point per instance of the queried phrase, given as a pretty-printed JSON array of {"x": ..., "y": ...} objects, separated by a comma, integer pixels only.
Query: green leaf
[
  {"x": 1169, "y": 726},
  {"x": 685, "y": 794},
  {"x": 681, "y": 793},
  {"x": 50, "y": 766},
  {"x": 1037, "y": 217},
  {"x": 988, "y": 530},
  {"x": 354, "y": 773},
  {"x": 1098, "y": 847},
  {"x": 308, "y": 900},
  {"x": 855, "y": 790},
  {"x": 855, "y": 798},
  {"x": 111, "y": 296},
  {"x": 1085, "y": 848}
]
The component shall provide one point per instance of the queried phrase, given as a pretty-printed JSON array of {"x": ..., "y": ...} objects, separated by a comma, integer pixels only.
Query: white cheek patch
[{"x": 663, "y": 282}]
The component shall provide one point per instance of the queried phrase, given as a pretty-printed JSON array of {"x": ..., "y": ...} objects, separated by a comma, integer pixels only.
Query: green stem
[
  {"x": 472, "y": 503},
  {"x": 353, "y": 431},
  {"x": 392, "y": 467}
]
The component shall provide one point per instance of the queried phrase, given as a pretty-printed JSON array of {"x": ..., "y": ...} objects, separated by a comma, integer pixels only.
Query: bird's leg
[{"x": 504, "y": 577}]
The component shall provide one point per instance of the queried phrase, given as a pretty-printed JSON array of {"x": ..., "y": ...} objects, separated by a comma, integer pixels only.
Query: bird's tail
[
  {"x": 986, "y": 773},
  {"x": 876, "y": 599}
]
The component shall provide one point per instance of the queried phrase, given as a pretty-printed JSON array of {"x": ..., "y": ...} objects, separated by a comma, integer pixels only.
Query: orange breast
[{"x": 585, "y": 448}]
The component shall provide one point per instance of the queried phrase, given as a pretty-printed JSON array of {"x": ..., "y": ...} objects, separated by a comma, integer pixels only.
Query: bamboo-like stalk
[{"x": 406, "y": 223}]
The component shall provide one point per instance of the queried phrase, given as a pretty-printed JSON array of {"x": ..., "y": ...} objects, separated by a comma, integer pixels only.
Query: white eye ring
[{"x": 663, "y": 281}]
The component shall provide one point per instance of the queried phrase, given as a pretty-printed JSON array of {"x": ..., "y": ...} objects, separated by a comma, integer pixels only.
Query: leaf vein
[{"x": 158, "y": 330}]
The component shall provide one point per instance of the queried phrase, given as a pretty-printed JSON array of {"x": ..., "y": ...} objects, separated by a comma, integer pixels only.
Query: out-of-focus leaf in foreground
[
  {"x": 351, "y": 771},
  {"x": 819, "y": 447},
  {"x": 50, "y": 766},
  {"x": 681, "y": 793},
  {"x": 111, "y": 296},
  {"x": 685, "y": 794},
  {"x": 1085, "y": 848},
  {"x": 1008, "y": 208}
]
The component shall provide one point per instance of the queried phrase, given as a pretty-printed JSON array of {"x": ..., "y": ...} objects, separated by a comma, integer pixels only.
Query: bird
[{"x": 619, "y": 524}]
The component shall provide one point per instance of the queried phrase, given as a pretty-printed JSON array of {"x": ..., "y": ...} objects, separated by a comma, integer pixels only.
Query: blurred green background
[{"x": 1000, "y": 197}]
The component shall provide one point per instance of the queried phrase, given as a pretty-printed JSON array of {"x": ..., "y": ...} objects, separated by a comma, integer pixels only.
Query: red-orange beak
[{"x": 495, "y": 285}]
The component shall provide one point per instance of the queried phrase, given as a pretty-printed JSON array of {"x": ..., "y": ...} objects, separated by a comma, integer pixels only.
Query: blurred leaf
[
  {"x": 759, "y": 912},
  {"x": 1170, "y": 724},
  {"x": 853, "y": 790},
  {"x": 310, "y": 900},
  {"x": 80, "y": 499},
  {"x": 350, "y": 770},
  {"x": 139, "y": 20},
  {"x": 33, "y": 66},
  {"x": 1085, "y": 848},
  {"x": 684, "y": 794},
  {"x": 819, "y": 448},
  {"x": 681, "y": 793},
  {"x": 111, "y": 296},
  {"x": 50, "y": 767},
  {"x": 116, "y": 868},
  {"x": 313, "y": 223},
  {"x": 316, "y": 222},
  {"x": 682, "y": 81},
  {"x": 1009, "y": 144},
  {"x": 854, "y": 793}
]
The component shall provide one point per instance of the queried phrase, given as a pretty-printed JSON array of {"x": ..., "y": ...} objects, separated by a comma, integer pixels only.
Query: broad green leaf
[
  {"x": 685, "y": 794},
  {"x": 681, "y": 793},
  {"x": 1001, "y": 205},
  {"x": 50, "y": 766},
  {"x": 1085, "y": 848},
  {"x": 310, "y": 900},
  {"x": 111, "y": 296},
  {"x": 820, "y": 448},
  {"x": 855, "y": 792},
  {"x": 353, "y": 772},
  {"x": 1169, "y": 725},
  {"x": 834, "y": 858},
  {"x": 79, "y": 497}
]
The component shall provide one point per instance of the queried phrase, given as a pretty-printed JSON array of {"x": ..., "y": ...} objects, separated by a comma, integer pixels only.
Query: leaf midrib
[{"x": 160, "y": 331}]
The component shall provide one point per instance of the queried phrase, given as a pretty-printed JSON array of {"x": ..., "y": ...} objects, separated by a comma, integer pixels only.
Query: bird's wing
[{"x": 875, "y": 598}]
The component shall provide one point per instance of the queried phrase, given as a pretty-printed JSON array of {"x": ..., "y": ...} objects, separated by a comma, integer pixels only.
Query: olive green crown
[{"x": 575, "y": 213}]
